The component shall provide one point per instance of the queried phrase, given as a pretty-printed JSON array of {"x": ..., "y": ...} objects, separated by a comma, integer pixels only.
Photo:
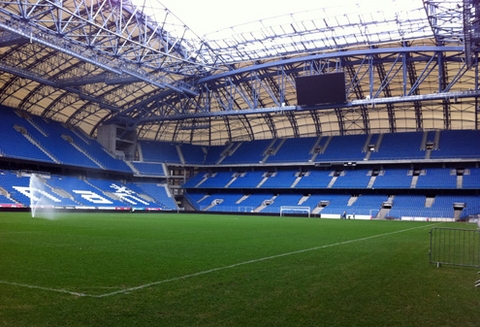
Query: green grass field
[{"x": 133, "y": 269}]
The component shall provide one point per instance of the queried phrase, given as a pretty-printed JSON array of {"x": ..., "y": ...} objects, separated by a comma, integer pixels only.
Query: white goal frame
[{"x": 294, "y": 209}]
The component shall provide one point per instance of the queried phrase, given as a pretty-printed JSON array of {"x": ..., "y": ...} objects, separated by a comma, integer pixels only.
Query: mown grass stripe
[{"x": 204, "y": 272}]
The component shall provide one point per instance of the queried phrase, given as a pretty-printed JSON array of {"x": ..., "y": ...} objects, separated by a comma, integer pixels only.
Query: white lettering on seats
[
  {"x": 30, "y": 193},
  {"x": 127, "y": 195},
  {"x": 92, "y": 197}
]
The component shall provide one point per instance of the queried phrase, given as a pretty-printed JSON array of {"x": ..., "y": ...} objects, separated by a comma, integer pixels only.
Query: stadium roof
[{"x": 409, "y": 65}]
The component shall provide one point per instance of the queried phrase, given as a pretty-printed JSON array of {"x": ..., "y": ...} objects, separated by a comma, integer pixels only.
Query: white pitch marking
[
  {"x": 58, "y": 290},
  {"x": 136, "y": 288},
  {"x": 204, "y": 272}
]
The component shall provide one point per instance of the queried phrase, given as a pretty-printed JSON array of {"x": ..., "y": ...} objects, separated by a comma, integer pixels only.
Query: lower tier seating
[
  {"x": 364, "y": 206},
  {"x": 82, "y": 193}
]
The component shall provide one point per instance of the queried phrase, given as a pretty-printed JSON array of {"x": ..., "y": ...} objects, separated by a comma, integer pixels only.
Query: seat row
[
  {"x": 326, "y": 205},
  {"x": 388, "y": 178},
  {"x": 456, "y": 144}
]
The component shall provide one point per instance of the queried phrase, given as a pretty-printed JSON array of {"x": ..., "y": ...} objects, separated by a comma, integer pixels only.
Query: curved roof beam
[
  {"x": 223, "y": 87},
  {"x": 34, "y": 77},
  {"x": 354, "y": 103}
]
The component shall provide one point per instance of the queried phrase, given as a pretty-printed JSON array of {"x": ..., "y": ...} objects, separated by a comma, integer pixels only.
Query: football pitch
[{"x": 168, "y": 269}]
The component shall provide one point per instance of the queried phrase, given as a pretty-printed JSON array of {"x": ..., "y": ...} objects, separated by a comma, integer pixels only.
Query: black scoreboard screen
[{"x": 321, "y": 89}]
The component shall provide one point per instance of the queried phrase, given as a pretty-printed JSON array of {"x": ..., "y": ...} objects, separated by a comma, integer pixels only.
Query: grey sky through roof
[
  {"x": 206, "y": 17},
  {"x": 266, "y": 29}
]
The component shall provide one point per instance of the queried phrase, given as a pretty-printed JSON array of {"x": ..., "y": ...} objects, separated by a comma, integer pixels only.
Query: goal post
[{"x": 291, "y": 210}]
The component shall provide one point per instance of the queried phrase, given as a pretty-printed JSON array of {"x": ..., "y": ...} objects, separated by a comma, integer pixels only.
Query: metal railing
[{"x": 455, "y": 246}]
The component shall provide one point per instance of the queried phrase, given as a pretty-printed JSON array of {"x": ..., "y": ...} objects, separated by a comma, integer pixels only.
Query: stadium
[{"x": 200, "y": 178}]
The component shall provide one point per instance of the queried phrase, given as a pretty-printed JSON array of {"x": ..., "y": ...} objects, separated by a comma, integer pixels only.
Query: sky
[{"x": 206, "y": 16}]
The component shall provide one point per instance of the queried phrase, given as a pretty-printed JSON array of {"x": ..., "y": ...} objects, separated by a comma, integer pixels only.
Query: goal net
[{"x": 294, "y": 210}]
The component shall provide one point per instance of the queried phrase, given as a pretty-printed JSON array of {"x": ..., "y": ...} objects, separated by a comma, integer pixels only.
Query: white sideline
[
  {"x": 136, "y": 288},
  {"x": 58, "y": 290}
]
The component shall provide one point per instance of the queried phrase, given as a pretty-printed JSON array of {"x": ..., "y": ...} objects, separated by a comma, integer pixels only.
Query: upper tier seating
[
  {"x": 325, "y": 149},
  {"x": 458, "y": 144},
  {"x": 246, "y": 152},
  {"x": 343, "y": 148},
  {"x": 14, "y": 144},
  {"x": 33, "y": 138},
  {"x": 193, "y": 154},
  {"x": 396, "y": 146},
  {"x": 292, "y": 150},
  {"x": 158, "y": 152},
  {"x": 214, "y": 153},
  {"x": 149, "y": 169},
  {"x": 75, "y": 143}
]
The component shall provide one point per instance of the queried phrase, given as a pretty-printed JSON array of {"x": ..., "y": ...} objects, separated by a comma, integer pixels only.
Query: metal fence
[{"x": 455, "y": 246}]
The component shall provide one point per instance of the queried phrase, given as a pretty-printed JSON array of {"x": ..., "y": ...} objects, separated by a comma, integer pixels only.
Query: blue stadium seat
[
  {"x": 437, "y": 178},
  {"x": 247, "y": 152},
  {"x": 154, "y": 151},
  {"x": 399, "y": 146},
  {"x": 149, "y": 168},
  {"x": 458, "y": 144},
  {"x": 293, "y": 150},
  {"x": 393, "y": 178},
  {"x": 357, "y": 178},
  {"x": 344, "y": 148},
  {"x": 280, "y": 179}
]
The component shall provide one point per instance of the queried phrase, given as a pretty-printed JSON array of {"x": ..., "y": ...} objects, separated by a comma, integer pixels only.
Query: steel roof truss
[
  {"x": 428, "y": 69},
  {"x": 387, "y": 77},
  {"x": 39, "y": 28}
]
